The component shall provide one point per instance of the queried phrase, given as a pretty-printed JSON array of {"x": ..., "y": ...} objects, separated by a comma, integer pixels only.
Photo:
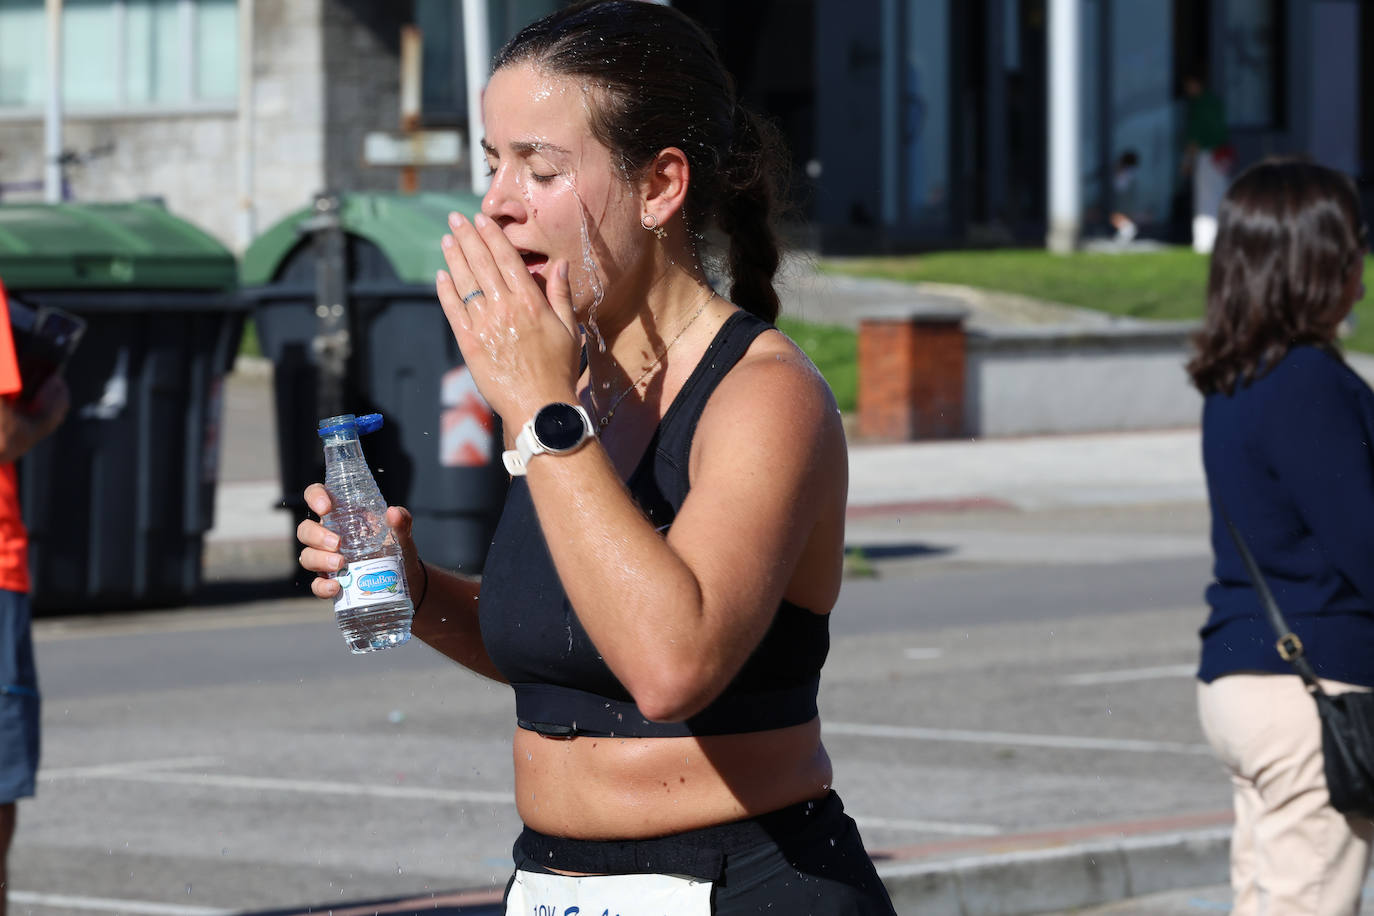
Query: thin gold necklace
[{"x": 606, "y": 420}]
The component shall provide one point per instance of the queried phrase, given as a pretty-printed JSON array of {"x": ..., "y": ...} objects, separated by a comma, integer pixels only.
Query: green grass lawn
[
  {"x": 1163, "y": 285},
  {"x": 1169, "y": 284}
]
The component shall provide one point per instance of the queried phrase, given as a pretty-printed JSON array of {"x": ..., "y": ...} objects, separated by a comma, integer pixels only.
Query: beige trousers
[{"x": 1291, "y": 852}]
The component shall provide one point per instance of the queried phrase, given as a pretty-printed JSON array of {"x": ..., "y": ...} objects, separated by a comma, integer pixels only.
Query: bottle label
[{"x": 367, "y": 582}]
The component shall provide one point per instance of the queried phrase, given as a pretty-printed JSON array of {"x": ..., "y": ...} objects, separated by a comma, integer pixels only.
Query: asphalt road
[
  {"x": 993, "y": 675},
  {"x": 234, "y": 757}
]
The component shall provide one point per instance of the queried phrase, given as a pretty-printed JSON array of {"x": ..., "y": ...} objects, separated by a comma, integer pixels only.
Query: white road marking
[
  {"x": 1021, "y": 740},
  {"x": 107, "y": 905},
  {"x": 892, "y": 823},
  {"x": 262, "y": 783},
  {"x": 285, "y": 612},
  {"x": 108, "y": 770},
  {"x": 1130, "y": 674},
  {"x": 161, "y": 771}
]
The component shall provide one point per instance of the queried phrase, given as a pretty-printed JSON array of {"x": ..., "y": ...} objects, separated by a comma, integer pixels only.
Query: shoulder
[
  {"x": 774, "y": 391},
  {"x": 775, "y": 367},
  {"x": 1309, "y": 372},
  {"x": 1313, "y": 389}
]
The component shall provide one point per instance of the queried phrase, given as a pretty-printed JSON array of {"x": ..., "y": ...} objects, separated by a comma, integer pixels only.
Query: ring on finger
[{"x": 473, "y": 295}]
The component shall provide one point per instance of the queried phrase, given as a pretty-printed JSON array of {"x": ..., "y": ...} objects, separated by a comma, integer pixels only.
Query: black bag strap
[{"x": 1289, "y": 646}]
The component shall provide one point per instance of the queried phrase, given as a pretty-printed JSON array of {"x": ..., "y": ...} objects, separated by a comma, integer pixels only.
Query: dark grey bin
[
  {"x": 439, "y": 450},
  {"x": 118, "y": 500}
]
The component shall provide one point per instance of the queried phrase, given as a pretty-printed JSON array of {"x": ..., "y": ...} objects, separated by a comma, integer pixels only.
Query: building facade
[{"x": 912, "y": 123}]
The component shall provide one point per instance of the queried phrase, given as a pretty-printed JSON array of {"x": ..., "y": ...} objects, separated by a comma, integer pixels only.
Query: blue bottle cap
[{"x": 347, "y": 423}]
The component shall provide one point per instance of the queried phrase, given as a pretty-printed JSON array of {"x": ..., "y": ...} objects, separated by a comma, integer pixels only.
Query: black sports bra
[{"x": 532, "y": 634}]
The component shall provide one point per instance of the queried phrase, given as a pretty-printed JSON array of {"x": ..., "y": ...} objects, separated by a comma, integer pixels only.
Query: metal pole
[
  {"x": 332, "y": 345},
  {"x": 891, "y": 124},
  {"x": 1063, "y": 173},
  {"x": 52, "y": 116},
  {"x": 477, "y": 59},
  {"x": 246, "y": 216}
]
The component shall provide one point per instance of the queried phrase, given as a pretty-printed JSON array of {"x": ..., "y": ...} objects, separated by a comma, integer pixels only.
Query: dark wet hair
[
  {"x": 660, "y": 82},
  {"x": 1289, "y": 233}
]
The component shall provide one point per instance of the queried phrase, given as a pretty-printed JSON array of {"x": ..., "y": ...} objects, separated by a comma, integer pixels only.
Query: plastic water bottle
[{"x": 373, "y": 606}]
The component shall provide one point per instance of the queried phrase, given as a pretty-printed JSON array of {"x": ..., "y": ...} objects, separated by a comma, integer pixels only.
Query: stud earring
[{"x": 650, "y": 222}]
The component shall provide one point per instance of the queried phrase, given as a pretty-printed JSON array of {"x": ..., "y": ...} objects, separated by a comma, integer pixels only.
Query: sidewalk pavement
[{"x": 1025, "y": 473}]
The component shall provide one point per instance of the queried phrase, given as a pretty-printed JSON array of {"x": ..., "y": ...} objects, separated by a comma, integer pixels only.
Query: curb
[
  {"x": 1013, "y": 884},
  {"x": 1065, "y": 878}
]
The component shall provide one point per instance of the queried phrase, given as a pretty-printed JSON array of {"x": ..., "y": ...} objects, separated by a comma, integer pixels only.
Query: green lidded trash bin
[
  {"x": 345, "y": 309},
  {"x": 118, "y": 500}
]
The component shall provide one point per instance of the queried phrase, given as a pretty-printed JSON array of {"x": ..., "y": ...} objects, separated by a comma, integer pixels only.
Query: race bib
[{"x": 534, "y": 894}]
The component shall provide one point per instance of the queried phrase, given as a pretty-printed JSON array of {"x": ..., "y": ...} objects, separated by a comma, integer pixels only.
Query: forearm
[
  {"x": 18, "y": 433},
  {"x": 446, "y": 620},
  {"x": 640, "y": 603},
  {"x": 22, "y": 426}
]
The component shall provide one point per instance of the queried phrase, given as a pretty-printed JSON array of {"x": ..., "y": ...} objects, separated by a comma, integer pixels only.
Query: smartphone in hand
[{"x": 44, "y": 340}]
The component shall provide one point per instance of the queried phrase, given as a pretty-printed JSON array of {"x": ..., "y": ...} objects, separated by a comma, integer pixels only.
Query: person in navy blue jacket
[{"x": 1288, "y": 449}]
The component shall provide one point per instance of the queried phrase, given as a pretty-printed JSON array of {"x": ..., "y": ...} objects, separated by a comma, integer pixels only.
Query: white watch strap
[{"x": 517, "y": 460}]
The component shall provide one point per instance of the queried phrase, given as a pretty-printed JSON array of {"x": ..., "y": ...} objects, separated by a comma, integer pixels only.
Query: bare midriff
[{"x": 634, "y": 788}]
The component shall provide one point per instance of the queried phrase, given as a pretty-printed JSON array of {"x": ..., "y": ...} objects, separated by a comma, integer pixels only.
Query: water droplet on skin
[{"x": 589, "y": 266}]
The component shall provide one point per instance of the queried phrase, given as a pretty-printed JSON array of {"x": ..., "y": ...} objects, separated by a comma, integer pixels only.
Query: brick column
[{"x": 911, "y": 373}]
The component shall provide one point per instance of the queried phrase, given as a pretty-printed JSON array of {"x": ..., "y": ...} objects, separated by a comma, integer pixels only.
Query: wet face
[{"x": 555, "y": 191}]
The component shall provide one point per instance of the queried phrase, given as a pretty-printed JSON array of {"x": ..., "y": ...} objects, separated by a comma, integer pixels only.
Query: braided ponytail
[{"x": 745, "y": 215}]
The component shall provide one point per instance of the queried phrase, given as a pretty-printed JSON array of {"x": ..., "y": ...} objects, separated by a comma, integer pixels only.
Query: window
[
  {"x": 925, "y": 95},
  {"x": 21, "y": 52},
  {"x": 444, "y": 80},
  {"x": 122, "y": 54},
  {"x": 1252, "y": 63}
]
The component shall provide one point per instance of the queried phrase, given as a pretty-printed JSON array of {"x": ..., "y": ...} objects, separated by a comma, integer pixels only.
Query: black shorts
[{"x": 807, "y": 858}]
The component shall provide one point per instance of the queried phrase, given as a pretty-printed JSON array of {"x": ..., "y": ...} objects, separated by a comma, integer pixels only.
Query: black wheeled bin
[
  {"x": 118, "y": 500},
  {"x": 344, "y": 306}
]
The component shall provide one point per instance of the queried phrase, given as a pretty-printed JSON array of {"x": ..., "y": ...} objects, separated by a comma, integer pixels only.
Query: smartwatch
[{"x": 556, "y": 429}]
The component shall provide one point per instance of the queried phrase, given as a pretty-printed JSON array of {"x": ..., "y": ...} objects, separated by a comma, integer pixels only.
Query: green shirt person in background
[{"x": 1207, "y": 157}]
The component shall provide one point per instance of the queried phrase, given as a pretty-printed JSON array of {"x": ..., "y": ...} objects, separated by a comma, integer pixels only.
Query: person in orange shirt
[{"x": 22, "y": 426}]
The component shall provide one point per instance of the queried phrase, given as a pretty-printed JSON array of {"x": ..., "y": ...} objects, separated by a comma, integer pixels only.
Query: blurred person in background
[
  {"x": 1126, "y": 210},
  {"x": 658, "y": 590},
  {"x": 1288, "y": 450},
  {"x": 23, "y": 424},
  {"x": 1207, "y": 158}
]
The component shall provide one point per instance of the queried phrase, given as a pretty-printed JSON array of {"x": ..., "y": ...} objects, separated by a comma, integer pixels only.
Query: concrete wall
[
  {"x": 189, "y": 159},
  {"x": 289, "y": 110},
  {"x": 362, "y": 56},
  {"x": 325, "y": 72},
  {"x": 1027, "y": 381}
]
